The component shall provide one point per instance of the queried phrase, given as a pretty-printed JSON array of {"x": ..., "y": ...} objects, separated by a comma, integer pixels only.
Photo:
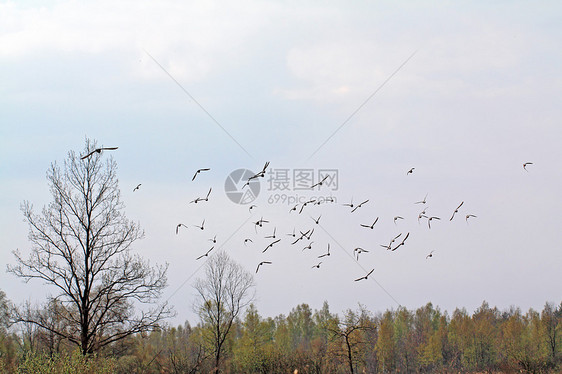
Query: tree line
[{"x": 313, "y": 341}]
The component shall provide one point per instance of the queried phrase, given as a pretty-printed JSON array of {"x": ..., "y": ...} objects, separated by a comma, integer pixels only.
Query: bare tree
[
  {"x": 350, "y": 332},
  {"x": 225, "y": 291},
  {"x": 81, "y": 245}
]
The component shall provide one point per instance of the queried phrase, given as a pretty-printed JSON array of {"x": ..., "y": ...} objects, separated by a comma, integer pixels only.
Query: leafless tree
[
  {"x": 81, "y": 246},
  {"x": 225, "y": 291},
  {"x": 350, "y": 331}
]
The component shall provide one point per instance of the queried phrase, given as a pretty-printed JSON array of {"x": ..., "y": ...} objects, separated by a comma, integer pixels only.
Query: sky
[{"x": 464, "y": 92}]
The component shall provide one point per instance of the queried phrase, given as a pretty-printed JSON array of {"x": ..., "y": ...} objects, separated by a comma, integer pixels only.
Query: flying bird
[
  {"x": 319, "y": 183},
  {"x": 389, "y": 246},
  {"x": 429, "y": 255},
  {"x": 456, "y": 211},
  {"x": 271, "y": 245},
  {"x": 99, "y": 150},
  {"x": 317, "y": 265},
  {"x": 350, "y": 204},
  {"x": 525, "y": 165},
  {"x": 358, "y": 251},
  {"x": 429, "y": 220},
  {"x": 305, "y": 204},
  {"x": 469, "y": 216},
  {"x": 303, "y": 235},
  {"x": 359, "y": 206},
  {"x": 261, "y": 174},
  {"x": 401, "y": 243},
  {"x": 248, "y": 240},
  {"x": 252, "y": 207},
  {"x": 137, "y": 187},
  {"x": 206, "y": 198},
  {"x": 208, "y": 193},
  {"x": 397, "y": 218},
  {"x": 202, "y": 227},
  {"x": 309, "y": 246},
  {"x": 178, "y": 227},
  {"x": 317, "y": 221},
  {"x": 326, "y": 254},
  {"x": 206, "y": 254},
  {"x": 272, "y": 236},
  {"x": 262, "y": 263},
  {"x": 410, "y": 171},
  {"x": 294, "y": 208},
  {"x": 292, "y": 233},
  {"x": 214, "y": 239},
  {"x": 366, "y": 276},
  {"x": 422, "y": 201},
  {"x": 370, "y": 226},
  {"x": 199, "y": 171}
]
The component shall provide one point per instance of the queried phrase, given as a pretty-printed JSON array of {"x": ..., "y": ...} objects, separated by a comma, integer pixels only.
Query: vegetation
[{"x": 422, "y": 340}]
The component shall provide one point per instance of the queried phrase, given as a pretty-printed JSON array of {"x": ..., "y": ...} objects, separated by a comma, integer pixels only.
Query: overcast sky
[{"x": 464, "y": 92}]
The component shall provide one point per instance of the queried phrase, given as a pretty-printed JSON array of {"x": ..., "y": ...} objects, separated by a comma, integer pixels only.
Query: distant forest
[{"x": 424, "y": 340}]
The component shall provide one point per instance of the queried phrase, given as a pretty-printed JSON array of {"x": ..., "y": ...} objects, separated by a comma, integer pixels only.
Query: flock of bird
[{"x": 305, "y": 235}]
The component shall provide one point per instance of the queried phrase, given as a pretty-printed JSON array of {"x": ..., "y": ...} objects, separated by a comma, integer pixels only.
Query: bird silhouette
[
  {"x": 272, "y": 236},
  {"x": 429, "y": 255},
  {"x": 202, "y": 227},
  {"x": 456, "y": 211},
  {"x": 305, "y": 204},
  {"x": 137, "y": 187},
  {"x": 401, "y": 243},
  {"x": 293, "y": 208},
  {"x": 292, "y": 233},
  {"x": 370, "y": 226},
  {"x": 422, "y": 201},
  {"x": 271, "y": 245},
  {"x": 317, "y": 220},
  {"x": 525, "y": 165},
  {"x": 248, "y": 240},
  {"x": 319, "y": 183},
  {"x": 431, "y": 218},
  {"x": 178, "y": 227},
  {"x": 262, "y": 263},
  {"x": 317, "y": 265},
  {"x": 309, "y": 246},
  {"x": 327, "y": 253},
  {"x": 214, "y": 239},
  {"x": 357, "y": 251},
  {"x": 359, "y": 206},
  {"x": 397, "y": 218},
  {"x": 199, "y": 171},
  {"x": 469, "y": 216},
  {"x": 366, "y": 276},
  {"x": 261, "y": 174},
  {"x": 410, "y": 171},
  {"x": 350, "y": 204},
  {"x": 208, "y": 193},
  {"x": 206, "y": 254},
  {"x": 252, "y": 207},
  {"x": 303, "y": 235},
  {"x": 99, "y": 150}
]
